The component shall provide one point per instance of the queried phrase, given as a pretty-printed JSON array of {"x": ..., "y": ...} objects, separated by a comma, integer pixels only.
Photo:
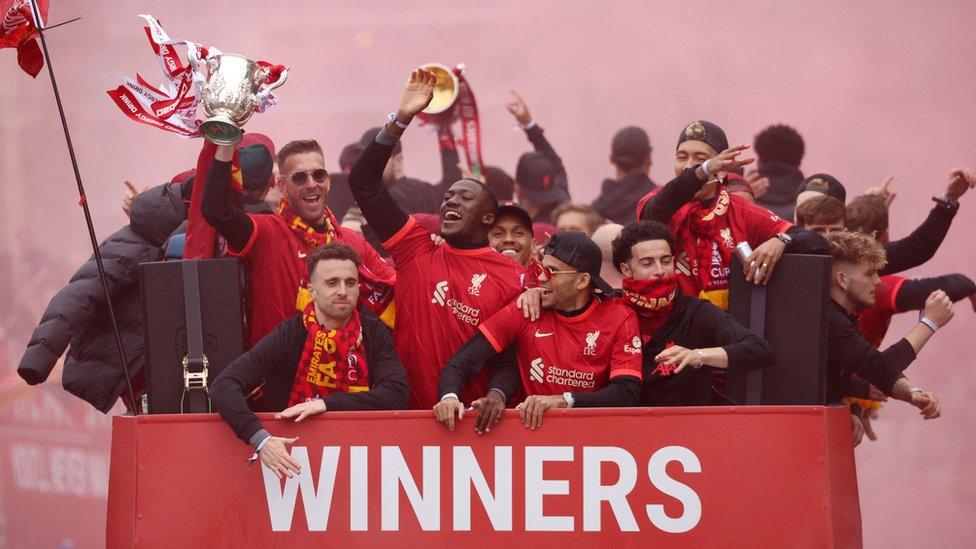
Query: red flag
[{"x": 17, "y": 30}]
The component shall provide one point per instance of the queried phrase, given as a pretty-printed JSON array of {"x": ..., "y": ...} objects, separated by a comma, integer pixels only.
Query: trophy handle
[{"x": 263, "y": 95}]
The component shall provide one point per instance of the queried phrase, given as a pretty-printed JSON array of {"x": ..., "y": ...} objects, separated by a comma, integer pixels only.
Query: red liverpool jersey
[
  {"x": 442, "y": 295},
  {"x": 579, "y": 354},
  {"x": 278, "y": 273},
  {"x": 874, "y": 322},
  {"x": 739, "y": 221}
]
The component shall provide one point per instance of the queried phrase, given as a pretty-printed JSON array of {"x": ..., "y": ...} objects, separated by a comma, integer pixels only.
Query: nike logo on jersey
[{"x": 540, "y": 334}]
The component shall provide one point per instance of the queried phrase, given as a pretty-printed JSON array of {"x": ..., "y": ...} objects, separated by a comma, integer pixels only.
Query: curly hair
[
  {"x": 820, "y": 210},
  {"x": 867, "y": 214},
  {"x": 854, "y": 248},
  {"x": 636, "y": 232},
  {"x": 779, "y": 143}
]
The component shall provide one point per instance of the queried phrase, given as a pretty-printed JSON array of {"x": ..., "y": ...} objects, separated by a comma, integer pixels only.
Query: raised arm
[
  {"x": 379, "y": 208},
  {"x": 217, "y": 205}
]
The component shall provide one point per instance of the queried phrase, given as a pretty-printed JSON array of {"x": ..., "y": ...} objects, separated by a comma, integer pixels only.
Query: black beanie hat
[{"x": 706, "y": 132}]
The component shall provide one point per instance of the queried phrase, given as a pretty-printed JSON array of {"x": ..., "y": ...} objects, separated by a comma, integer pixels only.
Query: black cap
[
  {"x": 256, "y": 167},
  {"x": 824, "y": 184},
  {"x": 706, "y": 132},
  {"x": 629, "y": 148},
  {"x": 370, "y": 135},
  {"x": 349, "y": 155},
  {"x": 535, "y": 174},
  {"x": 516, "y": 211},
  {"x": 581, "y": 253}
]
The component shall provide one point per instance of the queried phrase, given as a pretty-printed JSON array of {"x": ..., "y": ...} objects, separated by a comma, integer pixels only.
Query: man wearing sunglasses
[
  {"x": 584, "y": 349},
  {"x": 445, "y": 291},
  {"x": 275, "y": 247}
]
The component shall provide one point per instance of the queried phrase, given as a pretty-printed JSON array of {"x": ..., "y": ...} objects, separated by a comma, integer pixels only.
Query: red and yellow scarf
[
  {"x": 332, "y": 361},
  {"x": 699, "y": 231},
  {"x": 375, "y": 292}
]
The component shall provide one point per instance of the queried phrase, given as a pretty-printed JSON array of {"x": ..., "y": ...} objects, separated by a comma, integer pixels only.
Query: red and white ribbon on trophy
[
  {"x": 173, "y": 105},
  {"x": 463, "y": 109}
]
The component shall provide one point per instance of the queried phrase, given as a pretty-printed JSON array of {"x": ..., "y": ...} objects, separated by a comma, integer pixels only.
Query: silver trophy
[{"x": 235, "y": 88}]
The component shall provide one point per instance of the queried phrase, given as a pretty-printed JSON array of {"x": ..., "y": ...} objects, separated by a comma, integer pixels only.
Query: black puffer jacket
[{"x": 77, "y": 313}]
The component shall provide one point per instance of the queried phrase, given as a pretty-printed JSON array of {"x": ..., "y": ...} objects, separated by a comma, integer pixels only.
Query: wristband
[
  {"x": 392, "y": 119},
  {"x": 931, "y": 325},
  {"x": 529, "y": 126},
  {"x": 570, "y": 401},
  {"x": 704, "y": 166},
  {"x": 701, "y": 359},
  {"x": 450, "y": 395}
]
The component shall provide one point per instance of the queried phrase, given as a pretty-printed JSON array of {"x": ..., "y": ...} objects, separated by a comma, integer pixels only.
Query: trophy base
[{"x": 219, "y": 130}]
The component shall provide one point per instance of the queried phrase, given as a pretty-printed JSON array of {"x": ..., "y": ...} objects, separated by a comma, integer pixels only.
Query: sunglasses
[
  {"x": 319, "y": 175},
  {"x": 545, "y": 272}
]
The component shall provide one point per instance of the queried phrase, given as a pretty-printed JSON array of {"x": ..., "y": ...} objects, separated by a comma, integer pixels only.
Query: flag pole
[{"x": 83, "y": 201}]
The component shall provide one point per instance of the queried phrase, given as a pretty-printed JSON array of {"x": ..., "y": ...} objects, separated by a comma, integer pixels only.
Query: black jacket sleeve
[
  {"x": 746, "y": 350},
  {"x": 859, "y": 388},
  {"x": 919, "y": 247},
  {"x": 913, "y": 293},
  {"x": 387, "y": 378},
  {"x": 466, "y": 363},
  {"x": 881, "y": 368},
  {"x": 82, "y": 300},
  {"x": 250, "y": 370},
  {"x": 379, "y": 207},
  {"x": 621, "y": 391},
  {"x": 542, "y": 145},
  {"x": 218, "y": 208},
  {"x": 504, "y": 374},
  {"x": 678, "y": 192},
  {"x": 806, "y": 242}
]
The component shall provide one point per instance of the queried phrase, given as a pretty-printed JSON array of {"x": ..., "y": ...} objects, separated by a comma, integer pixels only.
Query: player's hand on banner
[
  {"x": 490, "y": 410},
  {"x": 449, "y": 411},
  {"x": 530, "y": 303},
  {"x": 302, "y": 410},
  {"x": 534, "y": 407},
  {"x": 275, "y": 456}
]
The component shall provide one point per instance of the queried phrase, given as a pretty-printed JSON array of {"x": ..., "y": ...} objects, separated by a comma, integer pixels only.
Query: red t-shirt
[
  {"x": 874, "y": 322},
  {"x": 579, "y": 354},
  {"x": 741, "y": 221},
  {"x": 442, "y": 295},
  {"x": 278, "y": 272}
]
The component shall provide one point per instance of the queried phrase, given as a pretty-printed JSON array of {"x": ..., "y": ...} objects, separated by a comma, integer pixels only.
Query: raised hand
[
  {"x": 960, "y": 181},
  {"x": 416, "y": 94},
  {"x": 519, "y": 109},
  {"x": 884, "y": 191},
  {"x": 938, "y": 308},
  {"x": 729, "y": 160},
  {"x": 130, "y": 194}
]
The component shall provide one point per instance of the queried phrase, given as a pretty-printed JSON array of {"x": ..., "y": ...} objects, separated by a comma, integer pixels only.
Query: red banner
[{"x": 691, "y": 477}]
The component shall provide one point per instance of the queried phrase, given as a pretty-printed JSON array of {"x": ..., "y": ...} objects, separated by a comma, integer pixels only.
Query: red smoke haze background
[{"x": 875, "y": 88}]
